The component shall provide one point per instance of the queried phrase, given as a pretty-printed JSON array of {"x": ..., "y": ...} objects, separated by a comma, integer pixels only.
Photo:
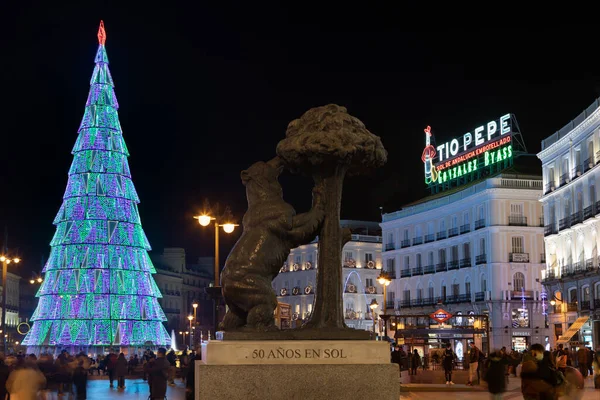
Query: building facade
[
  {"x": 570, "y": 160},
  {"x": 181, "y": 284},
  {"x": 474, "y": 250},
  {"x": 361, "y": 259}
]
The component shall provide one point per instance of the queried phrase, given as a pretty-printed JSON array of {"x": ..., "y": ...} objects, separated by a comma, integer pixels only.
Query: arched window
[
  {"x": 468, "y": 285},
  {"x": 483, "y": 283},
  {"x": 572, "y": 295},
  {"x": 431, "y": 291},
  {"x": 597, "y": 291},
  {"x": 585, "y": 293},
  {"x": 518, "y": 281}
]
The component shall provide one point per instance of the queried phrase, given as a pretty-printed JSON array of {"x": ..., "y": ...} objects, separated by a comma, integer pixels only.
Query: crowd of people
[{"x": 27, "y": 377}]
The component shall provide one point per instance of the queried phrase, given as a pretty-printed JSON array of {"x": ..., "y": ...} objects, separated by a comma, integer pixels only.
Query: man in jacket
[
  {"x": 473, "y": 363},
  {"x": 159, "y": 372},
  {"x": 396, "y": 358}
]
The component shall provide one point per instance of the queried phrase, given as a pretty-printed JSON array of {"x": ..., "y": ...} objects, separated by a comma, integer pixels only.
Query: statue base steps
[{"x": 287, "y": 370}]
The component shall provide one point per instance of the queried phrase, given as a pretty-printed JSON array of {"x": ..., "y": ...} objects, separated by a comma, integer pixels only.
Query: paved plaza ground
[{"x": 98, "y": 389}]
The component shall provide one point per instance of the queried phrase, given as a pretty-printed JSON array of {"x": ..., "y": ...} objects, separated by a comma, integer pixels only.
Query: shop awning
[{"x": 573, "y": 329}]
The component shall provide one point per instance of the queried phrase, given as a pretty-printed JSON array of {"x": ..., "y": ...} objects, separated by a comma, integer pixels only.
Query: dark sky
[{"x": 205, "y": 91}]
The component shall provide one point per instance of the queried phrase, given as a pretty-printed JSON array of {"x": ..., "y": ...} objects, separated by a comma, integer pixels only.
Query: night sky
[{"x": 204, "y": 92}]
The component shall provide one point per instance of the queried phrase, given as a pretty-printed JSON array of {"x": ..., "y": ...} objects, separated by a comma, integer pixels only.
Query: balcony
[
  {"x": 465, "y": 228},
  {"x": 588, "y": 212},
  {"x": 480, "y": 259},
  {"x": 520, "y": 294},
  {"x": 465, "y": 262},
  {"x": 464, "y": 298},
  {"x": 452, "y": 232},
  {"x": 550, "y": 229},
  {"x": 416, "y": 302},
  {"x": 572, "y": 306},
  {"x": 517, "y": 220},
  {"x": 404, "y": 303},
  {"x": 479, "y": 296},
  {"x": 589, "y": 264},
  {"x": 440, "y": 267},
  {"x": 480, "y": 223},
  {"x": 441, "y": 235},
  {"x": 518, "y": 257},
  {"x": 578, "y": 268},
  {"x": 453, "y": 264},
  {"x": 585, "y": 305},
  {"x": 564, "y": 178},
  {"x": 389, "y": 304},
  {"x": 577, "y": 171},
  {"x": 564, "y": 223},
  {"x": 405, "y": 273},
  {"x": 451, "y": 299},
  {"x": 550, "y": 276},
  {"x": 550, "y": 186},
  {"x": 576, "y": 218},
  {"x": 429, "y": 269},
  {"x": 587, "y": 164},
  {"x": 391, "y": 273},
  {"x": 389, "y": 246},
  {"x": 429, "y": 238},
  {"x": 417, "y": 240},
  {"x": 405, "y": 243},
  {"x": 427, "y": 301},
  {"x": 542, "y": 258},
  {"x": 417, "y": 271}
]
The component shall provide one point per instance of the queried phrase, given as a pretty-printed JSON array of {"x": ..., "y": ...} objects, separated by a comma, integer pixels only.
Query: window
[
  {"x": 390, "y": 238},
  {"x": 347, "y": 256},
  {"x": 454, "y": 221},
  {"x": 483, "y": 284},
  {"x": 592, "y": 195},
  {"x": 454, "y": 253},
  {"x": 369, "y": 282},
  {"x": 406, "y": 262},
  {"x": 468, "y": 287},
  {"x": 481, "y": 212},
  {"x": 368, "y": 257},
  {"x": 418, "y": 232},
  {"x": 310, "y": 258},
  {"x": 520, "y": 318},
  {"x": 391, "y": 296},
  {"x": 298, "y": 259},
  {"x": 573, "y": 295},
  {"x": 430, "y": 258},
  {"x": 443, "y": 290},
  {"x": 419, "y": 260},
  {"x": 597, "y": 290},
  {"x": 466, "y": 218},
  {"x": 516, "y": 210},
  {"x": 431, "y": 291},
  {"x": 517, "y": 244},
  {"x": 467, "y": 250},
  {"x": 442, "y": 225},
  {"x": 406, "y": 295},
  {"x": 518, "y": 281},
  {"x": 482, "y": 246},
  {"x": 455, "y": 289},
  {"x": 442, "y": 255},
  {"x": 406, "y": 234},
  {"x": 419, "y": 294},
  {"x": 585, "y": 293},
  {"x": 430, "y": 228},
  {"x": 390, "y": 264}
]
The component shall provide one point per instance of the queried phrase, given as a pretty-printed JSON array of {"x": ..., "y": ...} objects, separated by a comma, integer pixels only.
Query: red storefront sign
[{"x": 441, "y": 316}]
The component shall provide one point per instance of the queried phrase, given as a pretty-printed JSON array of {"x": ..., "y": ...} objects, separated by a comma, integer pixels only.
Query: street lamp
[
  {"x": 373, "y": 307},
  {"x": 385, "y": 281},
  {"x": 190, "y": 318},
  {"x": 183, "y": 334},
  {"x": 5, "y": 261},
  {"x": 226, "y": 222},
  {"x": 195, "y": 305}
]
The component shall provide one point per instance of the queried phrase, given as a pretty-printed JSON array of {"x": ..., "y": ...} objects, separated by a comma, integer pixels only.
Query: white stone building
[
  {"x": 570, "y": 160},
  {"x": 474, "y": 249},
  {"x": 361, "y": 259}
]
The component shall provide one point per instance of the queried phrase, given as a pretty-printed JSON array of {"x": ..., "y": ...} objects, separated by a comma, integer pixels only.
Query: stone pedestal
[{"x": 296, "y": 369}]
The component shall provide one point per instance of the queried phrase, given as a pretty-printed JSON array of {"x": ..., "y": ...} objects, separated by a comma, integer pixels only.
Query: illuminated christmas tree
[{"x": 98, "y": 288}]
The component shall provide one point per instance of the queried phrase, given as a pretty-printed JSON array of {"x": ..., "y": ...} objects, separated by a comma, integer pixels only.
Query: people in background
[
  {"x": 80, "y": 376},
  {"x": 495, "y": 375},
  {"x": 448, "y": 360},
  {"x": 474, "y": 354},
  {"x": 158, "y": 374},
  {"x": 415, "y": 362},
  {"x": 121, "y": 371},
  {"x": 397, "y": 359}
]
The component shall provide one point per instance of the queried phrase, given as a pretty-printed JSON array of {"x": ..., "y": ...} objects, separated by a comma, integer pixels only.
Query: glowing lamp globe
[
  {"x": 228, "y": 228},
  {"x": 552, "y": 302},
  {"x": 190, "y": 317},
  {"x": 204, "y": 220},
  {"x": 16, "y": 260},
  {"x": 39, "y": 280},
  {"x": 382, "y": 280},
  {"x": 373, "y": 304},
  {"x": 32, "y": 281},
  {"x": 2, "y": 258}
]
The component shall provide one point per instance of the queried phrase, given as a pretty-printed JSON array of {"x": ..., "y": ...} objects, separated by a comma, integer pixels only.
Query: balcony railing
[
  {"x": 577, "y": 171},
  {"x": 465, "y": 262},
  {"x": 429, "y": 238},
  {"x": 453, "y": 264},
  {"x": 480, "y": 223},
  {"x": 417, "y": 271},
  {"x": 517, "y": 220},
  {"x": 542, "y": 258},
  {"x": 576, "y": 218},
  {"x": 588, "y": 212},
  {"x": 519, "y": 294},
  {"x": 585, "y": 305},
  {"x": 518, "y": 257},
  {"x": 389, "y": 246},
  {"x": 452, "y": 232},
  {"x": 589, "y": 264},
  {"x": 404, "y": 273},
  {"x": 389, "y": 304},
  {"x": 465, "y": 228},
  {"x": 564, "y": 178},
  {"x": 480, "y": 259},
  {"x": 428, "y": 301},
  {"x": 429, "y": 269},
  {"x": 405, "y": 243},
  {"x": 417, "y": 240},
  {"x": 451, "y": 299},
  {"x": 404, "y": 303},
  {"x": 587, "y": 164},
  {"x": 391, "y": 273},
  {"x": 440, "y": 267},
  {"x": 564, "y": 223},
  {"x": 550, "y": 186},
  {"x": 550, "y": 229},
  {"x": 464, "y": 298},
  {"x": 441, "y": 235},
  {"x": 479, "y": 296},
  {"x": 572, "y": 306}
]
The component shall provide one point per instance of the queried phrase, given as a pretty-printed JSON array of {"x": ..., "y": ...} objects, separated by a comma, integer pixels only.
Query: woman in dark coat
[
  {"x": 494, "y": 376},
  {"x": 448, "y": 363},
  {"x": 415, "y": 362},
  {"x": 121, "y": 371}
]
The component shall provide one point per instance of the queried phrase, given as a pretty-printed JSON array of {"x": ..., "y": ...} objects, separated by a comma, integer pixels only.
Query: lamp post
[
  {"x": 228, "y": 226},
  {"x": 190, "y": 318},
  {"x": 373, "y": 307},
  {"x": 385, "y": 281},
  {"x": 183, "y": 334},
  {"x": 5, "y": 261}
]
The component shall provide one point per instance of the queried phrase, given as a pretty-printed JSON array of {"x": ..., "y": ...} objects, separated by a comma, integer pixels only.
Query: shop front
[{"x": 520, "y": 340}]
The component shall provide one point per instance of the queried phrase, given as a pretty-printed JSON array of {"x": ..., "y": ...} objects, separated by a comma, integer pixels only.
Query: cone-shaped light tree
[
  {"x": 327, "y": 143},
  {"x": 98, "y": 288}
]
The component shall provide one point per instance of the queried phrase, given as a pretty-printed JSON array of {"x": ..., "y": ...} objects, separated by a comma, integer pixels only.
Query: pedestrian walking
[
  {"x": 80, "y": 378},
  {"x": 172, "y": 359},
  {"x": 159, "y": 373},
  {"x": 448, "y": 360},
  {"x": 111, "y": 364},
  {"x": 25, "y": 381},
  {"x": 415, "y": 362},
  {"x": 474, "y": 355},
  {"x": 397, "y": 359},
  {"x": 121, "y": 371},
  {"x": 4, "y": 372},
  {"x": 495, "y": 375}
]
